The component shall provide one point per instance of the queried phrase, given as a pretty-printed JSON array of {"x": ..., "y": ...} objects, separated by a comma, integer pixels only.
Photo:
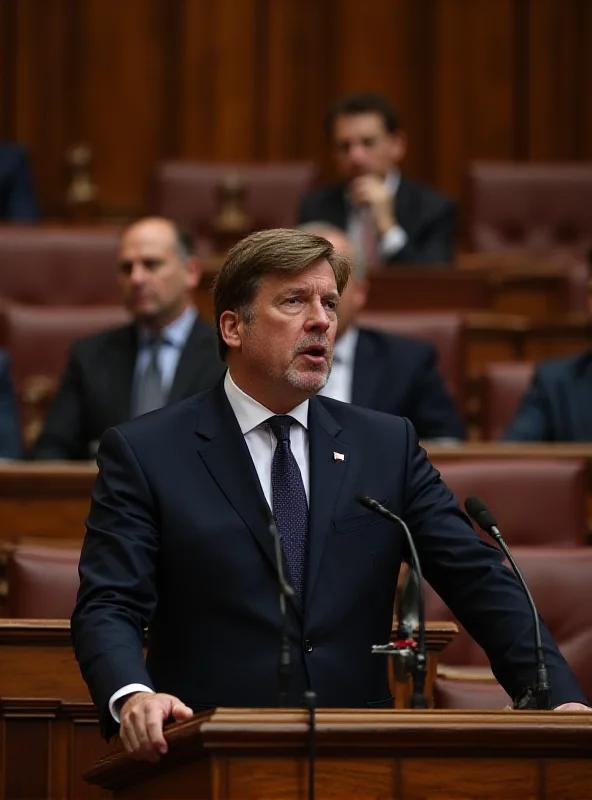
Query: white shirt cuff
[
  {"x": 114, "y": 706},
  {"x": 393, "y": 241}
]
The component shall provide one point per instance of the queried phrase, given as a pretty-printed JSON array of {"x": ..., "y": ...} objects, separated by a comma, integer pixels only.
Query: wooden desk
[{"x": 49, "y": 734}]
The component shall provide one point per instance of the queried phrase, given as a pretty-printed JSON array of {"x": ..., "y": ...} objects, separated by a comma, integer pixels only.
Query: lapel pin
[{"x": 338, "y": 457}]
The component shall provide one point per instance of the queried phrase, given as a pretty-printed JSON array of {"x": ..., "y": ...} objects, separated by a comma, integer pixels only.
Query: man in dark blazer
[
  {"x": 10, "y": 428},
  {"x": 179, "y": 538},
  {"x": 558, "y": 404},
  {"x": 391, "y": 219},
  {"x": 17, "y": 196},
  {"x": 118, "y": 374},
  {"x": 382, "y": 371}
]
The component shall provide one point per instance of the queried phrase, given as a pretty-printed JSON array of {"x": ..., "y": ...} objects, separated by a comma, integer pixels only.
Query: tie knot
[{"x": 280, "y": 426}]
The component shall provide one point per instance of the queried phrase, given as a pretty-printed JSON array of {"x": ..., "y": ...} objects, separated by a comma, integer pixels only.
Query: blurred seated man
[
  {"x": 558, "y": 404},
  {"x": 382, "y": 371},
  {"x": 389, "y": 218},
  {"x": 10, "y": 427},
  {"x": 165, "y": 355},
  {"x": 17, "y": 197}
]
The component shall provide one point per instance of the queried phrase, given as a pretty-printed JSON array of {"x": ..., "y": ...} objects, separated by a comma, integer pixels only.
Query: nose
[
  {"x": 318, "y": 319},
  {"x": 357, "y": 154},
  {"x": 137, "y": 273}
]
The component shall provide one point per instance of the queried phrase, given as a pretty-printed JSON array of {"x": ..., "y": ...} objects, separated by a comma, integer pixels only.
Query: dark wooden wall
[{"x": 142, "y": 80}]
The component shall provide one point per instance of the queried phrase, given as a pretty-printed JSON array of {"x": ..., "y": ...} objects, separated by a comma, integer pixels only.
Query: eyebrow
[{"x": 302, "y": 291}]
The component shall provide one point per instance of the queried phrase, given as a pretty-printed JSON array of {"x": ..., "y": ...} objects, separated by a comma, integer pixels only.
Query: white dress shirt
[
  {"x": 341, "y": 380},
  {"x": 393, "y": 240},
  {"x": 261, "y": 442}
]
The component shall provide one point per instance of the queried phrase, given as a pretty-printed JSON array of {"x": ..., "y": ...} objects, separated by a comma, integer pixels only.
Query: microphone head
[
  {"x": 366, "y": 501},
  {"x": 479, "y": 513}
]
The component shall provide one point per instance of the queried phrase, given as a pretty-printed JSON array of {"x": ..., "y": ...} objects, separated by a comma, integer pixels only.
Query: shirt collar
[
  {"x": 250, "y": 413},
  {"x": 393, "y": 181},
  {"x": 176, "y": 333},
  {"x": 344, "y": 350}
]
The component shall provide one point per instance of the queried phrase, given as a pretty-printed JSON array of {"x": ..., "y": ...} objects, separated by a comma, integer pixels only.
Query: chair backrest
[
  {"x": 39, "y": 337},
  {"x": 540, "y": 501},
  {"x": 503, "y": 387},
  {"x": 559, "y": 581},
  {"x": 544, "y": 209},
  {"x": 445, "y": 330},
  {"x": 186, "y": 191},
  {"x": 42, "y": 581},
  {"x": 48, "y": 265}
]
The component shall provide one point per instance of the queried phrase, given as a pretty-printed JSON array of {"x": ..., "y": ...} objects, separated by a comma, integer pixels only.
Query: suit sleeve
[
  {"x": 10, "y": 428},
  {"x": 532, "y": 422},
  {"x": 434, "y": 413},
  {"x": 21, "y": 205},
  {"x": 62, "y": 437},
  {"x": 117, "y": 594},
  {"x": 469, "y": 575},
  {"x": 433, "y": 243}
]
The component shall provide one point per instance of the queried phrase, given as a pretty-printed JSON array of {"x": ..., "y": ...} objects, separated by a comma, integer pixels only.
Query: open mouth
[{"x": 315, "y": 354}]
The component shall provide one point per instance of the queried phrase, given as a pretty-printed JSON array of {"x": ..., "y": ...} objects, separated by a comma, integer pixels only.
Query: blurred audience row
[{"x": 167, "y": 352}]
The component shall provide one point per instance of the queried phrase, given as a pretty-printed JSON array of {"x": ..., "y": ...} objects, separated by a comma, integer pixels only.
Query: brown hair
[{"x": 279, "y": 251}]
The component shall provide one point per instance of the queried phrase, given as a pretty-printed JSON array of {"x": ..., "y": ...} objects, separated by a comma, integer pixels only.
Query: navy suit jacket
[
  {"x": 399, "y": 375},
  {"x": 96, "y": 389},
  {"x": 558, "y": 404},
  {"x": 177, "y": 540},
  {"x": 428, "y": 218},
  {"x": 10, "y": 426},
  {"x": 17, "y": 196}
]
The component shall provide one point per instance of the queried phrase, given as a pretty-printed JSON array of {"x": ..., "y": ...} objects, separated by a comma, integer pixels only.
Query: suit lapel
[
  {"x": 195, "y": 357},
  {"x": 224, "y": 451},
  {"x": 120, "y": 367},
  {"x": 327, "y": 472},
  {"x": 404, "y": 206},
  {"x": 366, "y": 378}
]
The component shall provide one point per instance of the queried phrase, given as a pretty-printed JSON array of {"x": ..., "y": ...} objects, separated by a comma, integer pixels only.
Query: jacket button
[{"x": 308, "y": 646}]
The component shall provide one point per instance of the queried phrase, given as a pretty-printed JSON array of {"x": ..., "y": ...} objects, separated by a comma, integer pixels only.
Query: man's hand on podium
[
  {"x": 572, "y": 707},
  {"x": 142, "y": 720}
]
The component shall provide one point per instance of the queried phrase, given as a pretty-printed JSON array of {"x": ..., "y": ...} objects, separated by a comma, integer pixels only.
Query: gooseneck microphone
[
  {"x": 418, "y": 698},
  {"x": 538, "y": 697},
  {"x": 285, "y": 591}
]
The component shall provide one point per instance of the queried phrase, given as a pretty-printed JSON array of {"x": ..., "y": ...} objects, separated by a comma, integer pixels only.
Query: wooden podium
[{"x": 405, "y": 755}]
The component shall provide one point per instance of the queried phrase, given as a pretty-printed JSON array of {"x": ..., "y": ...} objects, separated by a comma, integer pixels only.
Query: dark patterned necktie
[
  {"x": 150, "y": 393},
  {"x": 288, "y": 500}
]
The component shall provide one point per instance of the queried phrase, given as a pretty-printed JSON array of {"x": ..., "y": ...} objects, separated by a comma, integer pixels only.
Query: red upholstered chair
[
  {"x": 42, "y": 581},
  {"x": 445, "y": 330},
  {"x": 38, "y": 339},
  {"x": 535, "y": 501},
  {"x": 186, "y": 191},
  {"x": 48, "y": 265},
  {"x": 559, "y": 581},
  {"x": 542, "y": 208},
  {"x": 503, "y": 387}
]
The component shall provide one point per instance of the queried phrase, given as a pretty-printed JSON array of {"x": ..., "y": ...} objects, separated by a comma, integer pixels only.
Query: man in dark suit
[
  {"x": 178, "y": 535},
  {"x": 10, "y": 428},
  {"x": 558, "y": 404},
  {"x": 167, "y": 354},
  {"x": 17, "y": 197},
  {"x": 382, "y": 371},
  {"x": 391, "y": 219}
]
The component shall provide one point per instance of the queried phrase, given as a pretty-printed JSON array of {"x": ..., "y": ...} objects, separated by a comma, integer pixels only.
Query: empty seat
[
  {"x": 42, "y": 581},
  {"x": 50, "y": 265},
  {"x": 445, "y": 330},
  {"x": 535, "y": 501},
  {"x": 559, "y": 580},
  {"x": 503, "y": 387},
  {"x": 544, "y": 209},
  {"x": 186, "y": 191}
]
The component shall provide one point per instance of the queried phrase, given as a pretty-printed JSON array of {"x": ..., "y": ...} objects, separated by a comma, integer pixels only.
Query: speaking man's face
[{"x": 286, "y": 340}]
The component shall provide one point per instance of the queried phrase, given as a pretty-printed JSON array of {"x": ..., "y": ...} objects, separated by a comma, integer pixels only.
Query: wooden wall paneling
[
  {"x": 122, "y": 96},
  {"x": 219, "y": 95},
  {"x": 387, "y": 46},
  {"x": 474, "y": 86},
  {"x": 43, "y": 54},
  {"x": 25, "y": 754},
  {"x": 559, "y": 79},
  {"x": 297, "y": 79}
]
